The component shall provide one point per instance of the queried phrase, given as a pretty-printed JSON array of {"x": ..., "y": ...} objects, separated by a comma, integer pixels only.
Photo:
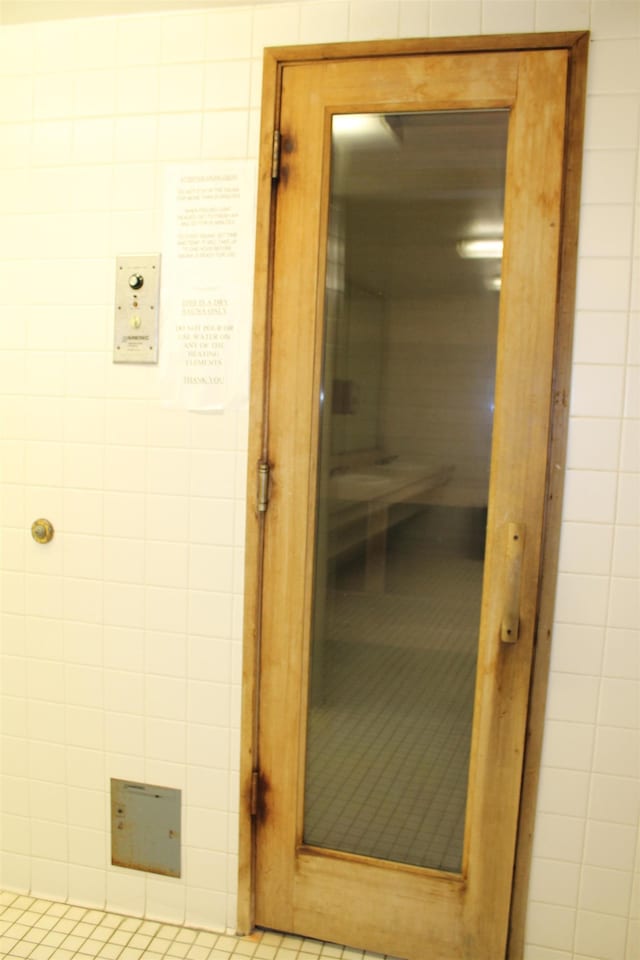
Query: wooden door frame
[{"x": 576, "y": 44}]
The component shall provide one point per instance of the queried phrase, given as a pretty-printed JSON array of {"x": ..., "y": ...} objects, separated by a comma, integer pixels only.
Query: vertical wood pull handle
[{"x": 513, "y": 569}]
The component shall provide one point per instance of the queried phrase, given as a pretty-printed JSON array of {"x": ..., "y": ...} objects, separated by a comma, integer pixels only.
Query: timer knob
[{"x": 136, "y": 280}]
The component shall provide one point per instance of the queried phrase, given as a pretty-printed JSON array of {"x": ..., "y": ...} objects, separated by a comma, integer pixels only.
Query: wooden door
[{"x": 331, "y": 891}]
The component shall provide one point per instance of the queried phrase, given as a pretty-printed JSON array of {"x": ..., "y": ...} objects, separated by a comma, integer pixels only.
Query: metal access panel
[
  {"x": 135, "y": 338},
  {"x": 145, "y": 827}
]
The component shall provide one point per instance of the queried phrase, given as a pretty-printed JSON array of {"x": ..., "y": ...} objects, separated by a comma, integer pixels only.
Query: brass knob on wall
[{"x": 42, "y": 531}]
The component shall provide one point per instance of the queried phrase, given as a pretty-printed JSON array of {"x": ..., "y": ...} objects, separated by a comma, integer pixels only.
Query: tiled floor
[
  {"x": 390, "y": 720},
  {"x": 44, "y": 930}
]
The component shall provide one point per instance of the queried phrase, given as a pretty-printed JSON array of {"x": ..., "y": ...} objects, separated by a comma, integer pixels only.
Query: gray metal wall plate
[
  {"x": 136, "y": 314},
  {"x": 145, "y": 827}
]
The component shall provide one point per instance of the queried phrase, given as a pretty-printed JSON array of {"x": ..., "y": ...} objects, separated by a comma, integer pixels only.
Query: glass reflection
[{"x": 409, "y": 369}]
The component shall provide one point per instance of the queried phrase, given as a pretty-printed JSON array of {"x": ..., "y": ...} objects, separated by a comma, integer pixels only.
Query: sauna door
[{"x": 412, "y": 304}]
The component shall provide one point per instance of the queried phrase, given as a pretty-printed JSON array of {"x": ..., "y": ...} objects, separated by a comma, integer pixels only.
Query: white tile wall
[{"x": 121, "y": 640}]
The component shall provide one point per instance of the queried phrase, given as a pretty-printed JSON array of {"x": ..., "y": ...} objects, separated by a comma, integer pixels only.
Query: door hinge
[
  {"x": 263, "y": 485},
  {"x": 275, "y": 156},
  {"x": 255, "y": 786}
]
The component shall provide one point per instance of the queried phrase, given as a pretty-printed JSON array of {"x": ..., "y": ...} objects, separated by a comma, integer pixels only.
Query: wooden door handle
[{"x": 513, "y": 570}]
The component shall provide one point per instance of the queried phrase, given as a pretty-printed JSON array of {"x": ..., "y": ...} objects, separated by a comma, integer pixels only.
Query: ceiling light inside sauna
[
  {"x": 363, "y": 129},
  {"x": 480, "y": 248}
]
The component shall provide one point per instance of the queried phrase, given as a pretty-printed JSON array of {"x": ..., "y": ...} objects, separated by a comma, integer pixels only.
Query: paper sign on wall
[{"x": 209, "y": 216}]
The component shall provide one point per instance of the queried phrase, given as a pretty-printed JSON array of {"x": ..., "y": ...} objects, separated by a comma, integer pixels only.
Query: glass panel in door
[{"x": 411, "y": 318}]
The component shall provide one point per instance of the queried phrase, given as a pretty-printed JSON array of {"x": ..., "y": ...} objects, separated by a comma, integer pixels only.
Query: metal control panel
[
  {"x": 145, "y": 827},
  {"x": 136, "y": 314}
]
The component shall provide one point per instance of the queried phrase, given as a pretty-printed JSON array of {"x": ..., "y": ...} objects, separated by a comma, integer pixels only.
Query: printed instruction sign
[{"x": 207, "y": 284}]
